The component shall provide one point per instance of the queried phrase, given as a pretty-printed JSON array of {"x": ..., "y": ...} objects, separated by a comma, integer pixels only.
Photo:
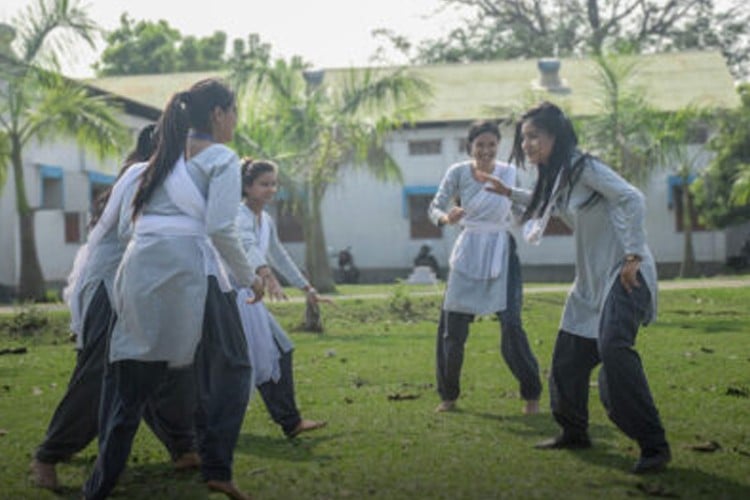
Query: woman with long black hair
[{"x": 615, "y": 286}]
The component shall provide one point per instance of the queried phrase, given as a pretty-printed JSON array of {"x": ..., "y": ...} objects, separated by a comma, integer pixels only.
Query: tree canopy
[
  {"x": 146, "y": 47},
  {"x": 509, "y": 29},
  {"x": 722, "y": 192}
]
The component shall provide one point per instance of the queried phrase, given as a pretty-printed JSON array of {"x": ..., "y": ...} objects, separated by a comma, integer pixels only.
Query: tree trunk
[
  {"x": 316, "y": 256},
  {"x": 688, "y": 268},
  {"x": 31, "y": 285}
]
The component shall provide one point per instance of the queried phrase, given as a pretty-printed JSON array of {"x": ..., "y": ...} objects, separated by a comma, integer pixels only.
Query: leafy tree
[
  {"x": 147, "y": 47},
  {"x": 676, "y": 146},
  {"x": 315, "y": 129},
  {"x": 621, "y": 131},
  {"x": 506, "y": 29},
  {"x": 722, "y": 192},
  {"x": 37, "y": 103}
]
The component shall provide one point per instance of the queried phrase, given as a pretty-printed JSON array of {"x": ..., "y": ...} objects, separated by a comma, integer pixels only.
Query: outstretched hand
[
  {"x": 495, "y": 185},
  {"x": 273, "y": 287},
  {"x": 258, "y": 291},
  {"x": 313, "y": 297}
]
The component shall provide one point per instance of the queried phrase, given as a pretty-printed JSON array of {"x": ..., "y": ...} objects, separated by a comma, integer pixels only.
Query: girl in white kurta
[
  {"x": 614, "y": 290},
  {"x": 74, "y": 423},
  {"x": 169, "y": 289},
  {"x": 270, "y": 347},
  {"x": 485, "y": 274}
]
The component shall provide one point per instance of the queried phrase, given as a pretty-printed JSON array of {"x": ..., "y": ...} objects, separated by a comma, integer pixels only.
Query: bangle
[{"x": 631, "y": 257}]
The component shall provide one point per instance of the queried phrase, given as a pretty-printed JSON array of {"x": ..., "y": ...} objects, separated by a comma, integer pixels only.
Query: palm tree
[
  {"x": 37, "y": 103},
  {"x": 674, "y": 141},
  {"x": 316, "y": 125},
  {"x": 621, "y": 132}
]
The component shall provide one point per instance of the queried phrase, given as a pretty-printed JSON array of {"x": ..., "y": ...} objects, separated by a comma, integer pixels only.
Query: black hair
[
  {"x": 478, "y": 128},
  {"x": 552, "y": 120},
  {"x": 144, "y": 147},
  {"x": 185, "y": 110},
  {"x": 252, "y": 169}
]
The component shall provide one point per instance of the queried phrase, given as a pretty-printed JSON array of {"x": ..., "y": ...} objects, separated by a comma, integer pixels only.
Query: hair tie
[{"x": 184, "y": 98}]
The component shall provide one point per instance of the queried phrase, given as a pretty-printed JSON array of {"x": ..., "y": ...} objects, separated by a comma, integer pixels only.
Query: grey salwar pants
[
  {"x": 453, "y": 330},
  {"x": 623, "y": 388}
]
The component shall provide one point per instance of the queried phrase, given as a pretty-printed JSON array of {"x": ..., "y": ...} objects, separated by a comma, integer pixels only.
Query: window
[
  {"x": 416, "y": 201},
  {"x": 288, "y": 225},
  {"x": 73, "y": 233},
  {"x": 52, "y": 187},
  {"x": 679, "y": 210},
  {"x": 99, "y": 183},
  {"x": 425, "y": 147},
  {"x": 463, "y": 143}
]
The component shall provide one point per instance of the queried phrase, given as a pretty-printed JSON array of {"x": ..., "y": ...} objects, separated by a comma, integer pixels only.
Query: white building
[
  {"x": 386, "y": 224},
  {"x": 62, "y": 180}
]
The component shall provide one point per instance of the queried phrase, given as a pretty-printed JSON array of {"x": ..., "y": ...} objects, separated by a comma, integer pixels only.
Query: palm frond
[{"x": 58, "y": 23}]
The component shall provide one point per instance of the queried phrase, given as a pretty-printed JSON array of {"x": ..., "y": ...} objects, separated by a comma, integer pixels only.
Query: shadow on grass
[
  {"x": 154, "y": 480},
  {"x": 293, "y": 450},
  {"x": 675, "y": 482}
]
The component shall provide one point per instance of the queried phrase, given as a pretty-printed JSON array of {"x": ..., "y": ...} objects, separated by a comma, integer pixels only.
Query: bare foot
[
  {"x": 43, "y": 475},
  {"x": 189, "y": 460},
  {"x": 532, "y": 407},
  {"x": 307, "y": 426},
  {"x": 445, "y": 406},
  {"x": 229, "y": 489}
]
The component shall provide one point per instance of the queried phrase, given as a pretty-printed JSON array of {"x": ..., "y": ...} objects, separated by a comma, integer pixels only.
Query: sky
[{"x": 327, "y": 33}]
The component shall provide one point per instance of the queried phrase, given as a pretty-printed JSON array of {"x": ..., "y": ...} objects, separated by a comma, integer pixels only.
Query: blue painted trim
[
  {"x": 101, "y": 178},
  {"x": 50, "y": 172},
  {"x": 414, "y": 190},
  {"x": 674, "y": 181}
]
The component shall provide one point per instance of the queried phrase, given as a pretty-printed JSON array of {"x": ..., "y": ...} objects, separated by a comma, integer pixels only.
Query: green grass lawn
[{"x": 371, "y": 376}]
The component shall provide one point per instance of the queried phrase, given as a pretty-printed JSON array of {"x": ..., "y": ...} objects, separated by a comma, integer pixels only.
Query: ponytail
[
  {"x": 185, "y": 110},
  {"x": 173, "y": 130}
]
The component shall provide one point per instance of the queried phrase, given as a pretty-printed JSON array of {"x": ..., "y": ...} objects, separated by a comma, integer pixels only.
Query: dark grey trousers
[
  {"x": 623, "y": 388},
  {"x": 223, "y": 374},
  {"x": 75, "y": 422},
  {"x": 279, "y": 396},
  {"x": 453, "y": 330}
]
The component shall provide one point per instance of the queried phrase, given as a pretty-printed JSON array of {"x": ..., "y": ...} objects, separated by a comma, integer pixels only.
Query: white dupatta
[
  {"x": 185, "y": 195},
  {"x": 481, "y": 250}
]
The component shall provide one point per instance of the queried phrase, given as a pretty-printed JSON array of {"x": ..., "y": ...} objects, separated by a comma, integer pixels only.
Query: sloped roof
[{"x": 461, "y": 92}]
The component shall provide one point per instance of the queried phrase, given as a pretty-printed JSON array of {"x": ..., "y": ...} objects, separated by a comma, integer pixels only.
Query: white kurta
[
  {"x": 265, "y": 337},
  {"x": 607, "y": 215},
  {"x": 477, "y": 283},
  {"x": 161, "y": 285}
]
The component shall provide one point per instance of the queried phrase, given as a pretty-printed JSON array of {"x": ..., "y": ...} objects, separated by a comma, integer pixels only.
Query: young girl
[
  {"x": 75, "y": 421},
  {"x": 270, "y": 347},
  {"x": 614, "y": 291},
  {"x": 485, "y": 273},
  {"x": 169, "y": 289}
]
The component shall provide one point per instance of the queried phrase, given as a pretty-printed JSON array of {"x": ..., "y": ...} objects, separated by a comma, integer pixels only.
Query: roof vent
[{"x": 549, "y": 77}]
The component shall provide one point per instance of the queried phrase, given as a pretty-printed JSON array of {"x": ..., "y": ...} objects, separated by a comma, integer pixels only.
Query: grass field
[{"x": 371, "y": 376}]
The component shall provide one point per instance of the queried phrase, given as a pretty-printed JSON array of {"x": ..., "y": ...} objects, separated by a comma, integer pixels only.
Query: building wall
[
  {"x": 77, "y": 167},
  {"x": 369, "y": 216}
]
